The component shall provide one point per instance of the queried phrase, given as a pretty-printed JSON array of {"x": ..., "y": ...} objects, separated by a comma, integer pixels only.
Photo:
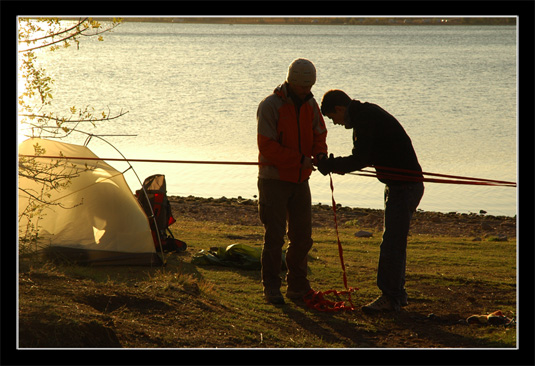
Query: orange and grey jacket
[{"x": 287, "y": 133}]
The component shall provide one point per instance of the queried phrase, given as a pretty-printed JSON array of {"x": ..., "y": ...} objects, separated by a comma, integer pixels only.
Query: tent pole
[{"x": 90, "y": 135}]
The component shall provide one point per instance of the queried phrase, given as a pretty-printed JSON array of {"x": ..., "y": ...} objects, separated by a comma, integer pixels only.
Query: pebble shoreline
[{"x": 240, "y": 211}]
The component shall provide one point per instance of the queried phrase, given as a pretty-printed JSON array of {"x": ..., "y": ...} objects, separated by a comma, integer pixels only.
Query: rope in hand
[{"x": 316, "y": 299}]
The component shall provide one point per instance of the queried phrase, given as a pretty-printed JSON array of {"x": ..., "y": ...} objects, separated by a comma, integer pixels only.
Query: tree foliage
[
  {"x": 37, "y": 117},
  {"x": 36, "y": 86}
]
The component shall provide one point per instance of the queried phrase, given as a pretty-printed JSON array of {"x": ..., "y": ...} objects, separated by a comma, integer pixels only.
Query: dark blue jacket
[{"x": 379, "y": 140}]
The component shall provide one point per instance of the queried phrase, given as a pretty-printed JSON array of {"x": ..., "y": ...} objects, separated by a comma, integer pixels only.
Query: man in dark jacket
[{"x": 380, "y": 141}]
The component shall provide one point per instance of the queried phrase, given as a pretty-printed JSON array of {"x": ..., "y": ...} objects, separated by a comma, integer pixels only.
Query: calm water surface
[{"x": 192, "y": 90}]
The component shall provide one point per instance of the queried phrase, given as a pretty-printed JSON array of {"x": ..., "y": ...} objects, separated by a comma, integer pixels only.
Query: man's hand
[
  {"x": 307, "y": 163},
  {"x": 318, "y": 158},
  {"x": 325, "y": 165}
]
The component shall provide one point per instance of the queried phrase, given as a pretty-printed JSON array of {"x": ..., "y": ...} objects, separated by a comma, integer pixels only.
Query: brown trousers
[{"x": 281, "y": 202}]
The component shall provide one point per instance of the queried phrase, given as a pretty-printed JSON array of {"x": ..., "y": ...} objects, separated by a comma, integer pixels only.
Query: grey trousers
[
  {"x": 282, "y": 203},
  {"x": 401, "y": 202}
]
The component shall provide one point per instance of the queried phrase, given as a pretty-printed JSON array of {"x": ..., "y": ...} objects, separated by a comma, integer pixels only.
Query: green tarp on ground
[{"x": 234, "y": 255}]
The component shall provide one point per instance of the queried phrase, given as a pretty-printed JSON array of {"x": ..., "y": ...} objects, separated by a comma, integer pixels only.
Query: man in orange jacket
[{"x": 291, "y": 139}]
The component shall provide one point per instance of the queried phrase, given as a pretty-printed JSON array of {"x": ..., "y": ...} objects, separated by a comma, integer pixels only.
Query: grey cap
[{"x": 301, "y": 72}]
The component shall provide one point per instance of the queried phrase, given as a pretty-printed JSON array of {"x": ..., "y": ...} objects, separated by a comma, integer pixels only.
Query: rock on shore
[{"x": 240, "y": 211}]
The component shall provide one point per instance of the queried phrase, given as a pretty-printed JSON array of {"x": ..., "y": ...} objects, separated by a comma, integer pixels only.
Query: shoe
[
  {"x": 273, "y": 296},
  {"x": 382, "y": 303},
  {"x": 297, "y": 295}
]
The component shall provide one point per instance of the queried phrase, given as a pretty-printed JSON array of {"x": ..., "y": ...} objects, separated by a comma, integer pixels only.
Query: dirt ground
[{"x": 65, "y": 311}]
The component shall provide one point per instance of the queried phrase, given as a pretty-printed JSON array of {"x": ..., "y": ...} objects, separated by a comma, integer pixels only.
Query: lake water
[{"x": 192, "y": 91}]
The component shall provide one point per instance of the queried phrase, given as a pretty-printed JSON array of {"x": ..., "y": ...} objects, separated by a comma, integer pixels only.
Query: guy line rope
[
  {"x": 316, "y": 299},
  {"x": 452, "y": 179}
]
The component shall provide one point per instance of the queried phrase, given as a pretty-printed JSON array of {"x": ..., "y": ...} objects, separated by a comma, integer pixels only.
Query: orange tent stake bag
[
  {"x": 154, "y": 201},
  {"x": 316, "y": 299}
]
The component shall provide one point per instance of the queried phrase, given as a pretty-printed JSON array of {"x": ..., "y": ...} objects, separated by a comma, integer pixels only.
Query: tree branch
[
  {"x": 63, "y": 120},
  {"x": 54, "y": 34},
  {"x": 73, "y": 35}
]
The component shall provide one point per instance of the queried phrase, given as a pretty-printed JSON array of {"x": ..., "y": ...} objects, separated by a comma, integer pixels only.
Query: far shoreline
[{"x": 327, "y": 20}]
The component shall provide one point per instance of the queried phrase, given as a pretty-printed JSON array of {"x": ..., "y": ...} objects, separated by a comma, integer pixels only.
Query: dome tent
[{"x": 99, "y": 221}]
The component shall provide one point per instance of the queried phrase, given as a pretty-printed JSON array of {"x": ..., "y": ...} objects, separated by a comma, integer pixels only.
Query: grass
[
  {"x": 448, "y": 264},
  {"x": 183, "y": 305}
]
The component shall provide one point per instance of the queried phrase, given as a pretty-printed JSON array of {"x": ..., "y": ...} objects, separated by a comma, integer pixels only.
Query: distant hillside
[{"x": 331, "y": 21}]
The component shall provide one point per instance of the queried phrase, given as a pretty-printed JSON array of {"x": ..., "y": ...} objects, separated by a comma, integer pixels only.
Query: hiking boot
[
  {"x": 273, "y": 296},
  {"x": 297, "y": 295},
  {"x": 382, "y": 303}
]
